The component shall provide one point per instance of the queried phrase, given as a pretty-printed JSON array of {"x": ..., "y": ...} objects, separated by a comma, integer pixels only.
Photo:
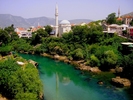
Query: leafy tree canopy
[
  {"x": 48, "y": 29},
  {"x": 111, "y": 19}
]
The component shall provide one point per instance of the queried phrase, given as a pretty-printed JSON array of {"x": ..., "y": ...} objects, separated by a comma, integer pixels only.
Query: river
[{"x": 62, "y": 82}]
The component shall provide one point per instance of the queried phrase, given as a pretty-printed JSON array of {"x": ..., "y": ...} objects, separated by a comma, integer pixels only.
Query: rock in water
[{"x": 121, "y": 82}]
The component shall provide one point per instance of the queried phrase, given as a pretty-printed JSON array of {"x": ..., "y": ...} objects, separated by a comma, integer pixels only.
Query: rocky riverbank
[
  {"x": 3, "y": 98},
  {"x": 81, "y": 65},
  {"x": 121, "y": 82}
]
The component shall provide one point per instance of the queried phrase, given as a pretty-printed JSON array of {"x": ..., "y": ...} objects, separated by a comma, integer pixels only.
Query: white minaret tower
[
  {"x": 119, "y": 12},
  {"x": 56, "y": 20}
]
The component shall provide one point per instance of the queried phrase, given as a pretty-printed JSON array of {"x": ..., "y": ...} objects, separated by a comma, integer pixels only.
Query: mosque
[{"x": 63, "y": 27}]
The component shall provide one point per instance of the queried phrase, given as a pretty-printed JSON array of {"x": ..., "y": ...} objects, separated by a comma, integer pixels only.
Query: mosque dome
[{"x": 64, "y": 22}]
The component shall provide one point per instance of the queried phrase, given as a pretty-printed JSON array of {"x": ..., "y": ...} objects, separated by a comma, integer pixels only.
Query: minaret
[
  {"x": 119, "y": 12},
  {"x": 56, "y": 20}
]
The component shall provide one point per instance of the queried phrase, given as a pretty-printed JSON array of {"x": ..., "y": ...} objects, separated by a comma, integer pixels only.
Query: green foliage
[
  {"x": 19, "y": 82},
  {"x": 87, "y": 43},
  {"x": 10, "y": 29},
  {"x": 119, "y": 22},
  {"x": 95, "y": 37},
  {"x": 80, "y": 33},
  {"x": 111, "y": 19},
  {"x": 110, "y": 58},
  {"x": 67, "y": 37},
  {"x": 48, "y": 29},
  {"x": 26, "y": 96},
  {"x": 94, "y": 61},
  {"x": 21, "y": 45},
  {"x": 5, "y": 50},
  {"x": 41, "y": 32},
  {"x": 131, "y": 23},
  {"x": 4, "y": 36},
  {"x": 38, "y": 36},
  {"x": 14, "y": 36},
  {"x": 128, "y": 66},
  {"x": 78, "y": 54}
]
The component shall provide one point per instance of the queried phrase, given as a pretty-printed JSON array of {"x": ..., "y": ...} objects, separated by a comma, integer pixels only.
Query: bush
[
  {"x": 4, "y": 50},
  {"x": 94, "y": 61},
  {"x": 128, "y": 66},
  {"x": 78, "y": 54},
  {"x": 19, "y": 82}
]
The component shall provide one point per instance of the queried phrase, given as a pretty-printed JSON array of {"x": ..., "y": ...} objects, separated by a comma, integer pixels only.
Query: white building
[
  {"x": 64, "y": 27},
  {"x": 124, "y": 27},
  {"x": 56, "y": 21},
  {"x": 114, "y": 28},
  {"x": 61, "y": 28},
  {"x": 23, "y": 33}
]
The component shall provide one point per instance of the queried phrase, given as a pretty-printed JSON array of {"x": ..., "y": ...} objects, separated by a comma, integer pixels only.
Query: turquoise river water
[{"x": 62, "y": 82}]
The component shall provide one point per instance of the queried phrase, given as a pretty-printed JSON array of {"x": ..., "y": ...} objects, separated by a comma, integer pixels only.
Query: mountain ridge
[
  {"x": 129, "y": 14},
  {"x": 18, "y": 21}
]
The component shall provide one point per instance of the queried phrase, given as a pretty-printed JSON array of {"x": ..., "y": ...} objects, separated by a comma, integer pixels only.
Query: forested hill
[{"x": 18, "y": 21}]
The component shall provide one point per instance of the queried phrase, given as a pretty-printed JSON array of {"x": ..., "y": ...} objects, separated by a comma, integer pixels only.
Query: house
[
  {"x": 124, "y": 27},
  {"x": 22, "y": 32},
  {"x": 33, "y": 29},
  {"x": 127, "y": 19},
  {"x": 114, "y": 28},
  {"x": 130, "y": 31}
]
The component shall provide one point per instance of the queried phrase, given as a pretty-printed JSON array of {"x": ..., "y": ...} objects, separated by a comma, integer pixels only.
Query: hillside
[
  {"x": 130, "y": 14},
  {"x": 18, "y": 21},
  {"x": 7, "y": 20}
]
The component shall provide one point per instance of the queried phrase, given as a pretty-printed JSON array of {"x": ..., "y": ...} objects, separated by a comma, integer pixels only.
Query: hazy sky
[{"x": 68, "y": 9}]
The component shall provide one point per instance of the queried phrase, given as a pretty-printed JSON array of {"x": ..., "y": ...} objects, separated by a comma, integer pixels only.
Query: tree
[
  {"x": 95, "y": 37},
  {"x": 109, "y": 60},
  {"x": 128, "y": 66},
  {"x": 10, "y": 29},
  {"x": 4, "y": 50},
  {"x": 119, "y": 22},
  {"x": 131, "y": 23},
  {"x": 14, "y": 36},
  {"x": 4, "y": 36},
  {"x": 111, "y": 19},
  {"x": 38, "y": 36},
  {"x": 78, "y": 54},
  {"x": 48, "y": 29},
  {"x": 41, "y": 32},
  {"x": 80, "y": 33},
  {"x": 94, "y": 61}
]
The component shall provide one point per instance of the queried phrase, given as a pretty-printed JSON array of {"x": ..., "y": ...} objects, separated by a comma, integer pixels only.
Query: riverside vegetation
[
  {"x": 19, "y": 82},
  {"x": 86, "y": 43}
]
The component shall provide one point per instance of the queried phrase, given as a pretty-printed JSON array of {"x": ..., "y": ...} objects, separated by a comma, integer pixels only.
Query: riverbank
[
  {"x": 81, "y": 65},
  {"x": 3, "y": 98}
]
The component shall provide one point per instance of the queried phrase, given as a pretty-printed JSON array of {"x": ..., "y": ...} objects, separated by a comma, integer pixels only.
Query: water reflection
[{"x": 57, "y": 86}]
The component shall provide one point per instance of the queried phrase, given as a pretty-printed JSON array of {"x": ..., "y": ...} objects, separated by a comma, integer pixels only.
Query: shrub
[{"x": 94, "y": 61}]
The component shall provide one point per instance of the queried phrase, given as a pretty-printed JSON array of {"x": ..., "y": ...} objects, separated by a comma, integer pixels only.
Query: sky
[{"x": 68, "y": 9}]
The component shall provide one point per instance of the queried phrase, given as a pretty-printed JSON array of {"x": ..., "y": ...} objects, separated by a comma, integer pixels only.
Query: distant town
[{"x": 123, "y": 26}]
